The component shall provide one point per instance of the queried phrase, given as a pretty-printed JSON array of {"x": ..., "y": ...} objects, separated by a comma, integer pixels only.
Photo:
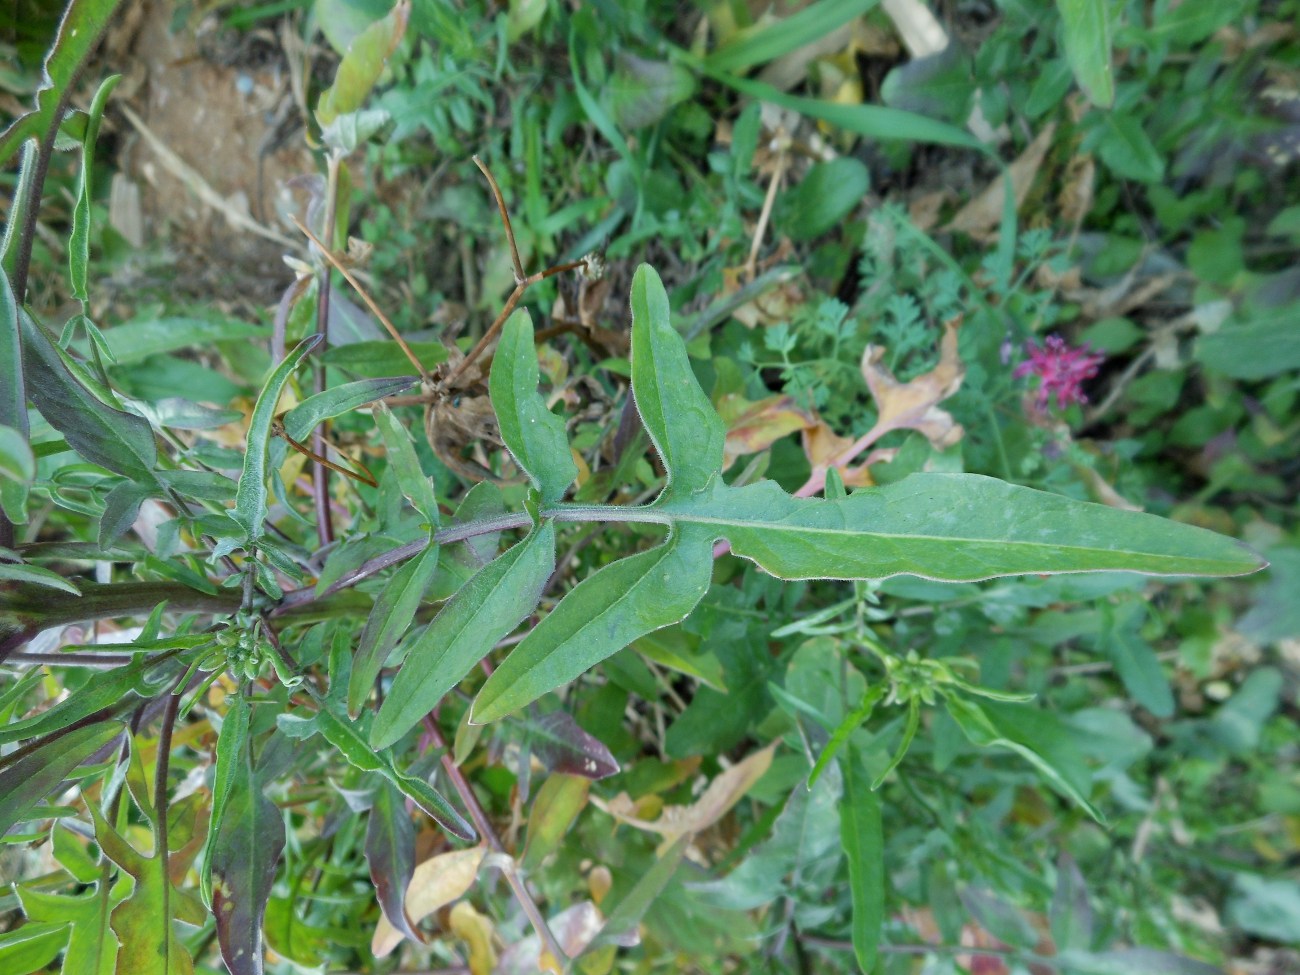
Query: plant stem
[{"x": 484, "y": 826}]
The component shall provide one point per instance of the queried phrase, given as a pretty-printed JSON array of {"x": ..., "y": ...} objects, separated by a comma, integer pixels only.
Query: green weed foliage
[{"x": 840, "y": 555}]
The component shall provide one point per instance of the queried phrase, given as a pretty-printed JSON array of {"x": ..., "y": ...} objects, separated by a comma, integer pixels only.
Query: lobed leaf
[
  {"x": 534, "y": 435},
  {"x": 485, "y": 609},
  {"x": 250, "y": 498},
  {"x": 604, "y": 613},
  {"x": 685, "y": 429},
  {"x": 91, "y": 947}
]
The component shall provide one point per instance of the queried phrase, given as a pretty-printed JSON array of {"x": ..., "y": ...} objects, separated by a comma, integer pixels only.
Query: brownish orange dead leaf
[
  {"x": 754, "y": 425},
  {"x": 914, "y": 405}
]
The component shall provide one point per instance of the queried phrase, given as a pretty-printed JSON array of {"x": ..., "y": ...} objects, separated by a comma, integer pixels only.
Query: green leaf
[
  {"x": 1128, "y": 150},
  {"x": 1071, "y": 915},
  {"x": 641, "y": 92},
  {"x": 1262, "y": 346},
  {"x": 999, "y": 918},
  {"x": 390, "y": 854},
  {"x": 35, "y": 773},
  {"x": 552, "y": 811},
  {"x": 247, "y": 848},
  {"x": 92, "y": 949},
  {"x": 977, "y": 727},
  {"x": 604, "y": 613},
  {"x": 121, "y": 508},
  {"x": 115, "y": 690},
  {"x": 344, "y": 735},
  {"x": 22, "y": 572},
  {"x": 303, "y": 418},
  {"x": 534, "y": 435},
  {"x": 871, "y": 121},
  {"x": 79, "y": 242},
  {"x": 804, "y": 850},
  {"x": 31, "y": 947},
  {"x": 388, "y": 620},
  {"x": 143, "y": 922},
  {"x": 950, "y": 527},
  {"x": 232, "y": 746},
  {"x": 1085, "y": 27},
  {"x": 378, "y": 358},
  {"x": 486, "y": 609},
  {"x": 121, "y": 442},
  {"x": 362, "y": 64},
  {"x": 403, "y": 463},
  {"x": 824, "y": 197},
  {"x": 13, "y": 392},
  {"x": 863, "y": 839},
  {"x": 134, "y": 342},
  {"x": 250, "y": 498},
  {"x": 685, "y": 429},
  {"x": 1140, "y": 671},
  {"x": 84, "y": 21},
  {"x": 771, "y": 41},
  {"x": 1132, "y": 961},
  {"x": 627, "y": 913}
]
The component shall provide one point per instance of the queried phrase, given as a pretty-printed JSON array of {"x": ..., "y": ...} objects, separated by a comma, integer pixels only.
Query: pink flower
[{"x": 1060, "y": 369}]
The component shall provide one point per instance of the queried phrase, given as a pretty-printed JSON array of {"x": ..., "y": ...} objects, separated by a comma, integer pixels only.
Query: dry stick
[
  {"x": 365, "y": 477},
  {"x": 365, "y": 296},
  {"x": 505, "y": 219},
  {"x": 320, "y": 472},
  {"x": 751, "y": 265},
  {"x": 484, "y": 826},
  {"x": 522, "y": 282}
]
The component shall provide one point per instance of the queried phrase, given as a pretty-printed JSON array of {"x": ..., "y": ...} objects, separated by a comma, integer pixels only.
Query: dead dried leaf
[
  {"x": 982, "y": 216},
  {"x": 1075, "y": 197},
  {"x": 754, "y": 425},
  {"x": 676, "y": 821},
  {"x": 914, "y": 405},
  {"x": 822, "y": 445},
  {"x": 435, "y": 883}
]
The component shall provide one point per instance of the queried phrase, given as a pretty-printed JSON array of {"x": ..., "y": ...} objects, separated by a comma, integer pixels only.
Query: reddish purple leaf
[
  {"x": 390, "y": 851},
  {"x": 562, "y": 746}
]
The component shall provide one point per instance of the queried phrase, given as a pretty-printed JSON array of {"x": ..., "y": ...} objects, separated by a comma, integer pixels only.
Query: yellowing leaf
[
  {"x": 913, "y": 405},
  {"x": 675, "y": 821},
  {"x": 436, "y": 883},
  {"x": 476, "y": 931}
]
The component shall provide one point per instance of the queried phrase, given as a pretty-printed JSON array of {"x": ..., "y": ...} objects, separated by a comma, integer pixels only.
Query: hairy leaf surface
[{"x": 533, "y": 434}]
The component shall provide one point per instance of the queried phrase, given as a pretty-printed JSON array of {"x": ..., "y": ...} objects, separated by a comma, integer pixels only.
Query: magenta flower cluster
[{"x": 1061, "y": 370}]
